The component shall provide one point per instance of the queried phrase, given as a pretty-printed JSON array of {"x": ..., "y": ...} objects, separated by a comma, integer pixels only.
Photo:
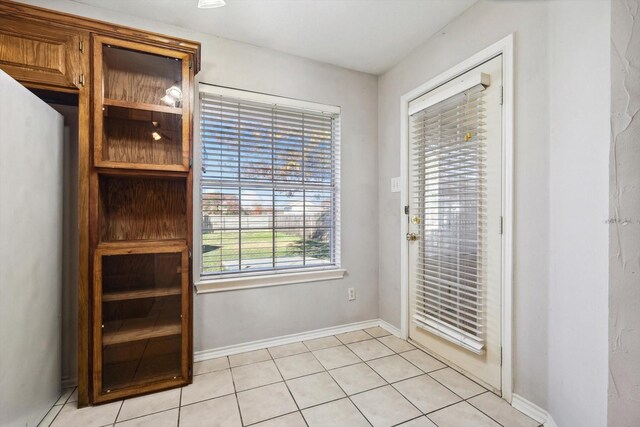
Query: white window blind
[
  {"x": 270, "y": 186},
  {"x": 449, "y": 191}
]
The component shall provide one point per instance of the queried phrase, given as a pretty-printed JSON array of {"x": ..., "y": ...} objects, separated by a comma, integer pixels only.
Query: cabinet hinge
[
  {"x": 501, "y": 94},
  {"x": 81, "y": 79},
  {"x": 501, "y": 225},
  {"x": 406, "y": 210},
  {"x": 81, "y": 46}
]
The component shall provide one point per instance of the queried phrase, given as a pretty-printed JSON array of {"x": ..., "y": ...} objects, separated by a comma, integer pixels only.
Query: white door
[
  {"x": 31, "y": 135},
  {"x": 455, "y": 222}
]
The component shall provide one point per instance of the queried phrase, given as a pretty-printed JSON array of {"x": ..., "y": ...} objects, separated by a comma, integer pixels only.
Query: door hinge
[
  {"x": 189, "y": 253},
  {"x": 501, "y": 94},
  {"x": 190, "y": 161},
  {"x": 81, "y": 79},
  {"x": 190, "y": 63},
  {"x": 500, "y": 356},
  {"x": 406, "y": 210},
  {"x": 81, "y": 46},
  {"x": 501, "y": 225}
]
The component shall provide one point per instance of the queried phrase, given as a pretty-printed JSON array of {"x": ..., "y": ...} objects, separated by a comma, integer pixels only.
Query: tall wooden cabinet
[
  {"x": 141, "y": 217},
  {"x": 135, "y": 98}
]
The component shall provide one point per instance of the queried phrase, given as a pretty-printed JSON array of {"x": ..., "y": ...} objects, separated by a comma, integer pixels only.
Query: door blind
[
  {"x": 270, "y": 186},
  {"x": 449, "y": 192}
]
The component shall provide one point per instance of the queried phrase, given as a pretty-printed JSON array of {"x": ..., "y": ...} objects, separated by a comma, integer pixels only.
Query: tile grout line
[
  {"x": 324, "y": 370},
  {"x": 117, "y": 415},
  {"x": 347, "y": 395},
  {"x": 383, "y": 379},
  {"x": 270, "y": 419},
  {"x": 330, "y": 376},
  {"x": 62, "y": 407},
  {"x": 151, "y": 413},
  {"x": 235, "y": 391},
  {"x": 179, "y": 406},
  {"x": 295, "y": 402}
]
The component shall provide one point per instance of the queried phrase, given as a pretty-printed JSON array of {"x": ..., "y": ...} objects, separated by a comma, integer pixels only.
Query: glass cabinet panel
[
  {"x": 140, "y": 77},
  {"x": 141, "y": 313},
  {"x": 139, "y": 136},
  {"x": 141, "y": 111}
]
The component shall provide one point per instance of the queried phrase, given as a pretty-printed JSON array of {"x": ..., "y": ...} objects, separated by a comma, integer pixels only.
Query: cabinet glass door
[
  {"x": 142, "y": 317},
  {"x": 142, "y": 106}
]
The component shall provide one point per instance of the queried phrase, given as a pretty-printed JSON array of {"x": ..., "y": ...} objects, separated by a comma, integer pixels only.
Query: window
[{"x": 269, "y": 185}]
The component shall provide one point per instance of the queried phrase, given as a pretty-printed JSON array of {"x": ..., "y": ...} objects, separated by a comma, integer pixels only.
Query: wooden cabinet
[
  {"x": 142, "y": 106},
  {"x": 141, "y": 218},
  {"x": 135, "y": 332},
  {"x": 37, "y": 54},
  {"x": 141, "y": 318}
]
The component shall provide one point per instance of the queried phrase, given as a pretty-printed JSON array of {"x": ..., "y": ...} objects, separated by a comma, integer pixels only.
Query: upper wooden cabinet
[
  {"x": 142, "y": 110},
  {"x": 135, "y": 92},
  {"x": 37, "y": 54}
]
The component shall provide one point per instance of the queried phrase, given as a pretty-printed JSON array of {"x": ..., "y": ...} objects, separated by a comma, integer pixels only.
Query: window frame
[{"x": 245, "y": 280}]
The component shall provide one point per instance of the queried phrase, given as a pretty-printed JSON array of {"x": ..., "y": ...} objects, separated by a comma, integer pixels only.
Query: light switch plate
[{"x": 396, "y": 184}]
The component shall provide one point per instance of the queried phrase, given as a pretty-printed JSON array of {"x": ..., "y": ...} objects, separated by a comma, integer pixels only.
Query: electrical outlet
[
  {"x": 396, "y": 184},
  {"x": 351, "y": 293}
]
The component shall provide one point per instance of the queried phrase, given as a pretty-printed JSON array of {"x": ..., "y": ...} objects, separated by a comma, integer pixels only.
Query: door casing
[{"x": 504, "y": 47}]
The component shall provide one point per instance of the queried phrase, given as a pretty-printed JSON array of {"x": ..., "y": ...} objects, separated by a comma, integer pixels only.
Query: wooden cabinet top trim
[{"x": 15, "y": 9}]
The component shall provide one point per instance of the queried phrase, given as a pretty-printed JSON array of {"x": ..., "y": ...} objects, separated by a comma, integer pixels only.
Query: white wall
[
  {"x": 478, "y": 27},
  {"x": 30, "y": 255},
  {"x": 561, "y": 145},
  {"x": 624, "y": 231},
  {"x": 580, "y": 90},
  {"x": 240, "y": 316}
]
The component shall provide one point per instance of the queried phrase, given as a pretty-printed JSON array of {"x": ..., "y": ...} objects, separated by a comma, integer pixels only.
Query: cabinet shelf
[
  {"x": 141, "y": 106},
  {"x": 117, "y": 332},
  {"x": 140, "y": 294},
  {"x": 124, "y": 245}
]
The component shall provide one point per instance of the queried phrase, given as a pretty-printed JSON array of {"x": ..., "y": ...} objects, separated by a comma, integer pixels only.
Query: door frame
[{"x": 504, "y": 47}]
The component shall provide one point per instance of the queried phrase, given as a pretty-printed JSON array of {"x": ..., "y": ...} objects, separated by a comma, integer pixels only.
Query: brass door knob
[{"x": 412, "y": 236}]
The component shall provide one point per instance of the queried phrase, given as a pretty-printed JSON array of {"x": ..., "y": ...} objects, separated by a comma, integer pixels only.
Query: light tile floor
[{"x": 361, "y": 378}]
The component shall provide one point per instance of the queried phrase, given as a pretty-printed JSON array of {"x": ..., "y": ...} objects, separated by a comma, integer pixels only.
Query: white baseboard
[
  {"x": 390, "y": 328},
  {"x": 532, "y": 410},
  {"x": 271, "y": 342},
  {"x": 286, "y": 339}
]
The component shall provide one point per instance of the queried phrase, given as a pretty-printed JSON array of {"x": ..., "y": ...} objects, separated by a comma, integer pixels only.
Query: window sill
[{"x": 261, "y": 281}]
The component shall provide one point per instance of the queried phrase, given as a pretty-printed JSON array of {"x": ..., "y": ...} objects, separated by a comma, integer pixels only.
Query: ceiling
[{"x": 363, "y": 35}]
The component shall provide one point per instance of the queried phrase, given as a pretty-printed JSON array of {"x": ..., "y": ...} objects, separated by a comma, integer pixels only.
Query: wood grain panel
[
  {"x": 139, "y": 329},
  {"x": 128, "y": 137},
  {"x": 40, "y": 55},
  {"x": 46, "y": 17},
  {"x": 141, "y": 363},
  {"x": 142, "y": 209},
  {"x": 138, "y": 77}
]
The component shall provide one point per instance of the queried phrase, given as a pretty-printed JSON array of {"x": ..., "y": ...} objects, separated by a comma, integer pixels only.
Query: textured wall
[{"x": 624, "y": 233}]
